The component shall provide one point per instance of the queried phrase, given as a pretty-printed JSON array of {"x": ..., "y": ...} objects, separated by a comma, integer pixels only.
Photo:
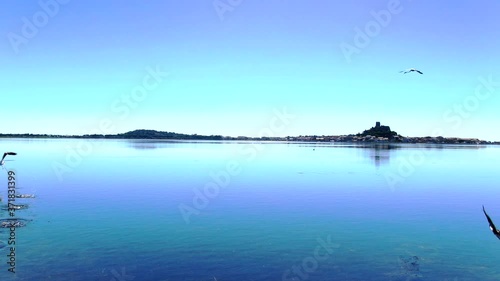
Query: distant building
[{"x": 377, "y": 124}]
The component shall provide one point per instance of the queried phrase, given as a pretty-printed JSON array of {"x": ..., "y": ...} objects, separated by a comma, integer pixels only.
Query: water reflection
[
  {"x": 158, "y": 143},
  {"x": 143, "y": 145},
  {"x": 151, "y": 144},
  {"x": 380, "y": 153}
]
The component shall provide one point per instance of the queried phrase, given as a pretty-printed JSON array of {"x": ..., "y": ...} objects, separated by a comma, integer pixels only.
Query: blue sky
[{"x": 68, "y": 66}]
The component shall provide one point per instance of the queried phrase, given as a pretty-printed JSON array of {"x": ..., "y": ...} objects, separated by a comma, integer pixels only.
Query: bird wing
[
  {"x": 10, "y": 153},
  {"x": 5, "y": 154},
  {"x": 490, "y": 222},
  {"x": 419, "y": 71}
]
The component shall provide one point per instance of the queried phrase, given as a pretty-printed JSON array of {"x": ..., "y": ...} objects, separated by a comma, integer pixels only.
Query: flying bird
[
  {"x": 410, "y": 70},
  {"x": 492, "y": 225},
  {"x": 5, "y": 154}
]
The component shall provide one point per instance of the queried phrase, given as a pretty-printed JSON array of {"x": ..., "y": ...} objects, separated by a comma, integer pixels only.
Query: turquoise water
[{"x": 159, "y": 210}]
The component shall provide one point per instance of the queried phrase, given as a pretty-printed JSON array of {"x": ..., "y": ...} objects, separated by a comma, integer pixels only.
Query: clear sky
[{"x": 69, "y": 67}]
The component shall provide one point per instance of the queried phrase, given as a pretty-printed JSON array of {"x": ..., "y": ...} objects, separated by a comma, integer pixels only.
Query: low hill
[{"x": 152, "y": 134}]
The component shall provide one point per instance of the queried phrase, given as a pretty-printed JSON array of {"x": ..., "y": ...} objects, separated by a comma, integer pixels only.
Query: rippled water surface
[{"x": 162, "y": 210}]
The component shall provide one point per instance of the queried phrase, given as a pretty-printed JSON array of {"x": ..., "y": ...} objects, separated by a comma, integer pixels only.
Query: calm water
[{"x": 150, "y": 210}]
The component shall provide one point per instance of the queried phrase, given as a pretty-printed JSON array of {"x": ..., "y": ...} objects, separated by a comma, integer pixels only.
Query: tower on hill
[{"x": 380, "y": 131}]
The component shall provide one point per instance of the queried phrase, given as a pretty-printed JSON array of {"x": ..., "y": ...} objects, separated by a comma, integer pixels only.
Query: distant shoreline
[{"x": 357, "y": 138}]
